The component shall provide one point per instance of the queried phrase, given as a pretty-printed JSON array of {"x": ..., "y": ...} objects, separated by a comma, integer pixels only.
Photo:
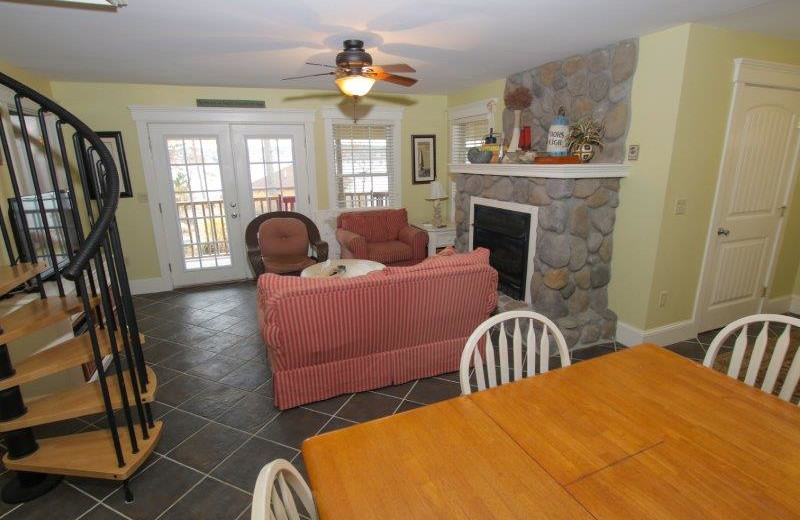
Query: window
[
  {"x": 469, "y": 124},
  {"x": 364, "y": 162}
]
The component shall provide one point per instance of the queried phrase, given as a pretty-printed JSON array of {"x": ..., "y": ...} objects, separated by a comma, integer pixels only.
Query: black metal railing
[{"x": 62, "y": 212}]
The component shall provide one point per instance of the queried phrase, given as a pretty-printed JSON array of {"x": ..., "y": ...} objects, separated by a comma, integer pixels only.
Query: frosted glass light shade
[{"x": 355, "y": 85}]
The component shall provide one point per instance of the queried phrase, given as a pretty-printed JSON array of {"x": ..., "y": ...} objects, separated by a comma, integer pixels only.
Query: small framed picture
[
  {"x": 423, "y": 151},
  {"x": 113, "y": 141}
]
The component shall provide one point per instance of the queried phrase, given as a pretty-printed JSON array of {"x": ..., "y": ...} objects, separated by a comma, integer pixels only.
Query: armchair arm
[
  {"x": 320, "y": 249},
  {"x": 254, "y": 256},
  {"x": 351, "y": 243},
  {"x": 417, "y": 239}
]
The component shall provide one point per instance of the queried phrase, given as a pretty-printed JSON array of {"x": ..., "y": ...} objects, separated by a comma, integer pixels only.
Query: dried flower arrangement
[
  {"x": 586, "y": 131},
  {"x": 519, "y": 99}
]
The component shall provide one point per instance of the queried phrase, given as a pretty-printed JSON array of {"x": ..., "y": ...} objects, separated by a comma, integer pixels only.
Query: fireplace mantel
[{"x": 546, "y": 171}]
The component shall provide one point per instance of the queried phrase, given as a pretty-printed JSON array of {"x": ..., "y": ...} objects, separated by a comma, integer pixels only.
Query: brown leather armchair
[{"x": 278, "y": 242}]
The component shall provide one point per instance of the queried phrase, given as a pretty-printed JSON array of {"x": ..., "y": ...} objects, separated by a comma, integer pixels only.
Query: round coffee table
[{"x": 352, "y": 267}]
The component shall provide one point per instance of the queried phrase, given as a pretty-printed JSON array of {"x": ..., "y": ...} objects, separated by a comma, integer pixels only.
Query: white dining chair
[
  {"x": 756, "y": 358},
  {"x": 277, "y": 486},
  {"x": 523, "y": 359}
]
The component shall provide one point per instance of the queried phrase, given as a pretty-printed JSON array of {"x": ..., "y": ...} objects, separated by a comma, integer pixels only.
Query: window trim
[
  {"x": 467, "y": 113},
  {"x": 377, "y": 116}
]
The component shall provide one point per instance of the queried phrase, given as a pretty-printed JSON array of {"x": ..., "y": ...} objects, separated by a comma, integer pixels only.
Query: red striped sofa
[
  {"x": 327, "y": 337},
  {"x": 381, "y": 235}
]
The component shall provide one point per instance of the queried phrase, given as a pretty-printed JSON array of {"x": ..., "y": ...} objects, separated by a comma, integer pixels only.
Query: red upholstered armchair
[{"x": 381, "y": 235}]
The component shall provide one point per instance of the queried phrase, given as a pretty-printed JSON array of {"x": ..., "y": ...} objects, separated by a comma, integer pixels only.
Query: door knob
[
  {"x": 234, "y": 215},
  {"x": 723, "y": 231},
  {"x": 233, "y": 204}
]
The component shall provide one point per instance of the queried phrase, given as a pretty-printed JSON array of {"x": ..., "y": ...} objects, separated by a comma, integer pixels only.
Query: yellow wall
[
  {"x": 704, "y": 104},
  {"x": 655, "y": 97},
  {"x": 492, "y": 89},
  {"x": 104, "y": 106}
]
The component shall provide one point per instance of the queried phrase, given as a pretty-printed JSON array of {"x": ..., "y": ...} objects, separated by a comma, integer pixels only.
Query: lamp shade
[
  {"x": 437, "y": 192},
  {"x": 355, "y": 85}
]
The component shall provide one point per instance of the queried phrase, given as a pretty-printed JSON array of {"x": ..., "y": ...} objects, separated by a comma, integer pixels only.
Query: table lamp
[{"x": 437, "y": 195}]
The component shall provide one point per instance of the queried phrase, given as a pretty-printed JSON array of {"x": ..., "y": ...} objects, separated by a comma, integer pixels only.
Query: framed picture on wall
[
  {"x": 113, "y": 141},
  {"x": 423, "y": 153}
]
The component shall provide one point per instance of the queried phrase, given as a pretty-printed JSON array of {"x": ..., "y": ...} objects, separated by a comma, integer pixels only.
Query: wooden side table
[{"x": 438, "y": 237}]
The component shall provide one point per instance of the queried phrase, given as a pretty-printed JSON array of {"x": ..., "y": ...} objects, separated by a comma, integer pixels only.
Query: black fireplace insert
[{"x": 506, "y": 234}]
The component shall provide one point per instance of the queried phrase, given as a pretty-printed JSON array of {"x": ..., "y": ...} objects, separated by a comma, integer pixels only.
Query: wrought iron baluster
[{"x": 38, "y": 191}]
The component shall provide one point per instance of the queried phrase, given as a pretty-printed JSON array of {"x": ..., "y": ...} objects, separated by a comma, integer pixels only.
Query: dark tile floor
[{"x": 214, "y": 396}]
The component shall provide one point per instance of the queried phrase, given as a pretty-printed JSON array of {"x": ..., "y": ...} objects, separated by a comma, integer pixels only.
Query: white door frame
[
  {"x": 144, "y": 116},
  {"x": 748, "y": 72}
]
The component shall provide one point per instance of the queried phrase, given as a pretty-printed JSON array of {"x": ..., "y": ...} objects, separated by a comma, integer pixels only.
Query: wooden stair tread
[
  {"x": 89, "y": 454},
  {"x": 12, "y": 276},
  {"x": 83, "y": 400},
  {"x": 38, "y": 314},
  {"x": 71, "y": 353}
]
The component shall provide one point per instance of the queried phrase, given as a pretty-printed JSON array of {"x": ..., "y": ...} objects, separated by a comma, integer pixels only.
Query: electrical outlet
[
  {"x": 633, "y": 152},
  {"x": 662, "y": 299},
  {"x": 680, "y": 206}
]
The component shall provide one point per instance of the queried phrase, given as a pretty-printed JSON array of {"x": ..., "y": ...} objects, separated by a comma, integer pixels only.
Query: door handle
[{"x": 723, "y": 231}]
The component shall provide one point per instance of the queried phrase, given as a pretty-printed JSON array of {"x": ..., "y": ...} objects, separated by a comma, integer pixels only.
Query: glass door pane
[
  {"x": 270, "y": 162},
  {"x": 199, "y": 202}
]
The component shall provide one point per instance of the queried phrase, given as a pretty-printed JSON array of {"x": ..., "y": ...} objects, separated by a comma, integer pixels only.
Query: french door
[{"x": 212, "y": 180}]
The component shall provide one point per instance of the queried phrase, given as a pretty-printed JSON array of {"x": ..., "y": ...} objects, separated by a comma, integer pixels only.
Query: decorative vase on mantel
[{"x": 513, "y": 144}]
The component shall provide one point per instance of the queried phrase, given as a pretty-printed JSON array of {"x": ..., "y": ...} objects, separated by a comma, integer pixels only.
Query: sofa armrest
[
  {"x": 417, "y": 239},
  {"x": 320, "y": 249},
  {"x": 354, "y": 244}
]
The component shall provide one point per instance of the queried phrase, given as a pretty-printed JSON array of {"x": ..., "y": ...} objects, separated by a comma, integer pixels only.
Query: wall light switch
[
  {"x": 142, "y": 198},
  {"x": 680, "y": 206},
  {"x": 633, "y": 152}
]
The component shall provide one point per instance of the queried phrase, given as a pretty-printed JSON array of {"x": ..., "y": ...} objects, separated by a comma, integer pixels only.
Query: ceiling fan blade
[
  {"x": 310, "y": 76},
  {"x": 395, "y": 67},
  {"x": 321, "y": 65},
  {"x": 397, "y": 80}
]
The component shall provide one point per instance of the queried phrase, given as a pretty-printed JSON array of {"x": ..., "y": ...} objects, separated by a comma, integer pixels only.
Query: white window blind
[
  {"x": 465, "y": 134},
  {"x": 365, "y": 172}
]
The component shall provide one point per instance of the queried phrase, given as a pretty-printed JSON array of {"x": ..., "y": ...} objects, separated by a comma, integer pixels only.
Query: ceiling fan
[{"x": 355, "y": 73}]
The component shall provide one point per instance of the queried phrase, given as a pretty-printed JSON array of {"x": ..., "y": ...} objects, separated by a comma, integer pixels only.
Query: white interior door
[
  {"x": 754, "y": 188},
  {"x": 199, "y": 205},
  {"x": 271, "y": 169}
]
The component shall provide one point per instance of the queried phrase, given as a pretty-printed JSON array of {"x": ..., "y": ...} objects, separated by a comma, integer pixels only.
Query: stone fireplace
[{"x": 573, "y": 209}]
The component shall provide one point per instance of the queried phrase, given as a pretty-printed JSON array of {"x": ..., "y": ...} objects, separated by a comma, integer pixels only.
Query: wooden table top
[{"x": 639, "y": 434}]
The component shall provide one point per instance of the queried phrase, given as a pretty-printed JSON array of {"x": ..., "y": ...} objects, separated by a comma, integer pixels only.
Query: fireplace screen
[{"x": 505, "y": 233}]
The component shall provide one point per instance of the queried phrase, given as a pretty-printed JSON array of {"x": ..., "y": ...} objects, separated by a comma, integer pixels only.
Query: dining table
[{"x": 641, "y": 433}]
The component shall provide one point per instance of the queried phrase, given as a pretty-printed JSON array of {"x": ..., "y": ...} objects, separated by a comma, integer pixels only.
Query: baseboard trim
[
  {"x": 778, "y": 305},
  {"x": 629, "y": 335},
  {"x": 150, "y": 285}
]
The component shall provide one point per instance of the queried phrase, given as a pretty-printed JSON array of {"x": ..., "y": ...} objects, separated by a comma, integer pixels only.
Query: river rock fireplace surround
[{"x": 573, "y": 210}]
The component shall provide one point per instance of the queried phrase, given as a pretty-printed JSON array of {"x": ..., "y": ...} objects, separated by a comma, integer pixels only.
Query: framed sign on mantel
[{"x": 423, "y": 153}]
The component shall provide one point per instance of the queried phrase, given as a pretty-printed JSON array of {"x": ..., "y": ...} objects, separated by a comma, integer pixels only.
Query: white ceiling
[{"x": 453, "y": 44}]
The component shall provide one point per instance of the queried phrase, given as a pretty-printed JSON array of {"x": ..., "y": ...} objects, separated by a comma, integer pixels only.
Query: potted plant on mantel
[{"x": 585, "y": 138}]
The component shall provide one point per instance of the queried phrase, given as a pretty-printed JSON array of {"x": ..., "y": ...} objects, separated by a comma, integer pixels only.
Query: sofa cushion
[
  {"x": 374, "y": 226},
  {"x": 389, "y": 252},
  {"x": 283, "y": 236},
  {"x": 477, "y": 256}
]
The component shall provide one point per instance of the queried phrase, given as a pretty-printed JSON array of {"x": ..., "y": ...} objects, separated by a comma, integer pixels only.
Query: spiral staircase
[{"x": 64, "y": 247}]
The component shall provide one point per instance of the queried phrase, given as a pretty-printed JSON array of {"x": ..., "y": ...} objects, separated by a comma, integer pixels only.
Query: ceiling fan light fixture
[{"x": 355, "y": 85}]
